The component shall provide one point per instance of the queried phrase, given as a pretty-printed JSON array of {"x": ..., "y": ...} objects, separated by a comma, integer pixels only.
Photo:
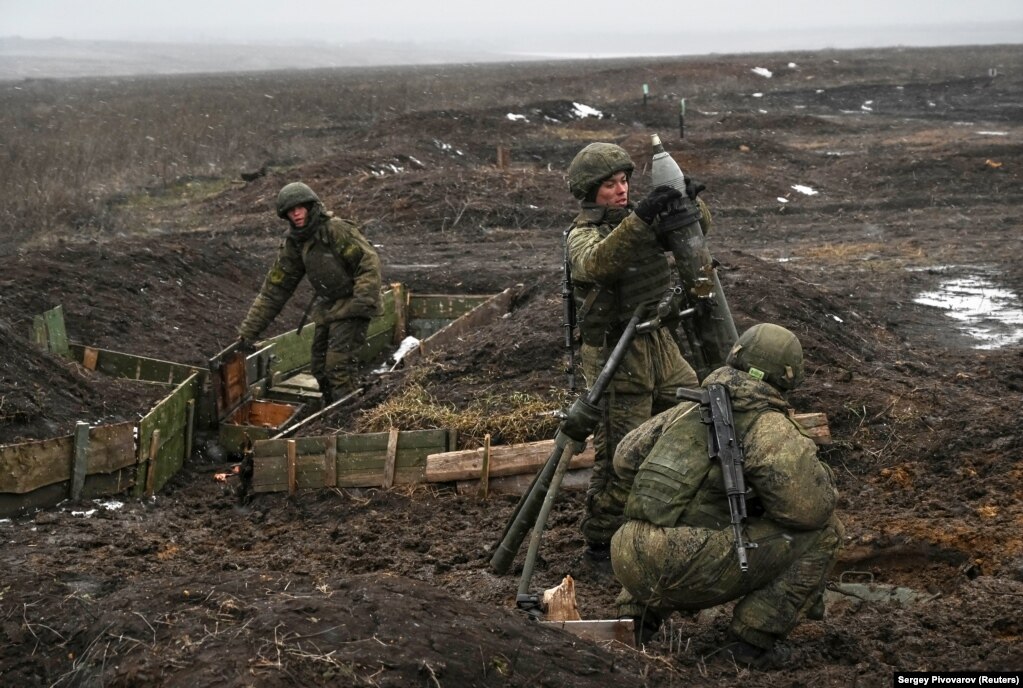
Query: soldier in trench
[
  {"x": 617, "y": 263},
  {"x": 344, "y": 271}
]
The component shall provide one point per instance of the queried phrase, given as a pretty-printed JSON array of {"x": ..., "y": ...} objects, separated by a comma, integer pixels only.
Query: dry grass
[{"x": 508, "y": 418}]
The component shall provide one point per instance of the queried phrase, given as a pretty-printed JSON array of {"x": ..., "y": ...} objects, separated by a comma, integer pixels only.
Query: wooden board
[
  {"x": 505, "y": 459},
  {"x": 486, "y": 312},
  {"x": 359, "y": 460},
  {"x": 31, "y": 465},
  {"x": 443, "y": 306},
  {"x": 171, "y": 417},
  {"x": 122, "y": 365},
  {"x": 621, "y": 630},
  {"x": 575, "y": 480}
]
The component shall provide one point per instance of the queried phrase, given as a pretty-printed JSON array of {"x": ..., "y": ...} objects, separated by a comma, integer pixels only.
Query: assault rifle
[
  {"x": 568, "y": 297},
  {"x": 725, "y": 448}
]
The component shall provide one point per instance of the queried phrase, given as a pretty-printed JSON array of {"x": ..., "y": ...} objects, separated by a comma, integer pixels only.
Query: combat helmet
[
  {"x": 595, "y": 163},
  {"x": 770, "y": 353},
  {"x": 295, "y": 193}
]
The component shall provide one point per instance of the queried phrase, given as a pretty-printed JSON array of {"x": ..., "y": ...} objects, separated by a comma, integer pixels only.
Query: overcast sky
[{"x": 473, "y": 21}]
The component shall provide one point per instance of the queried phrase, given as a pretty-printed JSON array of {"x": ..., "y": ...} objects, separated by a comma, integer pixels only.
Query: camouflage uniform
[
  {"x": 344, "y": 271},
  {"x": 677, "y": 550},
  {"x": 618, "y": 264}
]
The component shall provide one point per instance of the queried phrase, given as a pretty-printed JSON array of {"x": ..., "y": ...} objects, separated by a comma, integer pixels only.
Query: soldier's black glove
[
  {"x": 581, "y": 419},
  {"x": 655, "y": 203},
  {"x": 245, "y": 346},
  {"x": 693, "y": 188}
]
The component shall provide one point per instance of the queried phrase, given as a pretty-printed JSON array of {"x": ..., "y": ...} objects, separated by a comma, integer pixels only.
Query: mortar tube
[
  {"x": 593, "y": 398},
  {"x": 712, "y": 322},
  {"x": 531, "y": 503}
]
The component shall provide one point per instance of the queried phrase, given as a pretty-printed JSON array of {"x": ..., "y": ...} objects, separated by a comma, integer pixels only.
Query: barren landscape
[{"x": 867, "y": 200}]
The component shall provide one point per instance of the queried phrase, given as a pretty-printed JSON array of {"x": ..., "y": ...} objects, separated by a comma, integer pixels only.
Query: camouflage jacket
[
  {"x": 674, "y": 483},
  {"x": 617, "y": 264},
  {"x": 343, "y": 269}
]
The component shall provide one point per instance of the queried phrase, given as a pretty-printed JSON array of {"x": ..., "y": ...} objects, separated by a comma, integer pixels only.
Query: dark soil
[{"x": 916, "y": 158}]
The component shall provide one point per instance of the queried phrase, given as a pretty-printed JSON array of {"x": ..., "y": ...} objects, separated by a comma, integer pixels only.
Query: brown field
[{"x": 122, "y": 200}]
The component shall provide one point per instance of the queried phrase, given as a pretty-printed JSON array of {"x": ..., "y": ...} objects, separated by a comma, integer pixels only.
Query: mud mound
[{"x": 43, "y": 395}]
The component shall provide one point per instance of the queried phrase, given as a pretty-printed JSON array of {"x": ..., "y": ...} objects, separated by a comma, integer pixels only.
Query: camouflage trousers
[
  {"x": 334, "y": 353},
  {"x": 643, "y": 386},
  {"x": 687, "y": 569}
]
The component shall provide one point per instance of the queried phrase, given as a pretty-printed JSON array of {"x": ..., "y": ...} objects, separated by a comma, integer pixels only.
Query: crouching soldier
[
  {"x": 677, "y": 549},
  {"x": 344, "y": 271}
]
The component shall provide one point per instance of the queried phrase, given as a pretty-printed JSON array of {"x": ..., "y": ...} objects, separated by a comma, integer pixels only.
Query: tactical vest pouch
[{"x": 669, "y": 477}]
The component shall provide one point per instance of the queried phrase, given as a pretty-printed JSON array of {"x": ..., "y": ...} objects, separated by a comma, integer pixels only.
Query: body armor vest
[{"x": 603, "y": 310}]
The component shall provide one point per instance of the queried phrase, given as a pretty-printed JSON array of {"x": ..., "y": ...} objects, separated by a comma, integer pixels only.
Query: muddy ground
[{"x": 914, "y": 156}]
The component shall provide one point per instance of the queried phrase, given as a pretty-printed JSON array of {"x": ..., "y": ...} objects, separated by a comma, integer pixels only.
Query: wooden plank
[
  {"x": 170, "y": 417},
  {"x": 386, "y": 320},
  {"x": 56, "y": 334},
  {"x": 575, "y": 480},
  {"x": 399, "y": 301},
  {"x": 111, "y": 448},
  {"x": 28, "y": 466},
  {"x": 292, "y": 459},
  {"x": 488, "y": 311},
  {"x": 505, "y": 459},
  {"x": 389, "y": 459},
  {"x": 270, "y": 463},
  {"x": 359, "y": 459},
  {"x": 132, "y": 367},
  {"x": 154, "y": 453},
  {"x": 80, "y": 461},
  {"x": 330, "y": 462},
  {"x": 291, "y": 350},
  {"x": 485, "y": 468},
  {"x": 597, "y": 630},
  {"x": 89, "y": 358},
  {"x": 39, "y": 332},
  {"x": 443, "y": 306},
  {"x": 189, "y": 426}
]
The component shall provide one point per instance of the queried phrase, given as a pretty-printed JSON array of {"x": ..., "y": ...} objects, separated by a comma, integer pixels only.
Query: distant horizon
[{"x": 58, "y": 57}]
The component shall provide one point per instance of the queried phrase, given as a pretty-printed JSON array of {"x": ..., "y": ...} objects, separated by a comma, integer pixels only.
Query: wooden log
[
  {"x": 559, "y": 602},
  {"x": 507, "y": 459}
]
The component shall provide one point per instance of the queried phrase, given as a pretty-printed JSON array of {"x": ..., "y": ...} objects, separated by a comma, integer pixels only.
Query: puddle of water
[{"x": 990, "y": 314}]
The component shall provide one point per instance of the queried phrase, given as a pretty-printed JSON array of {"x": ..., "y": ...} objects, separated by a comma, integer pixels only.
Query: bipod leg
[
  {"x": 523, "y": 599},
  {"x": 584, "y": 416},
  {"x": 526, "y": 510}
]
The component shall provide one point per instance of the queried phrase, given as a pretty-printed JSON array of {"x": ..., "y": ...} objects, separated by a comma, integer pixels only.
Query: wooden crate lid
[{"x": 230, "y": 382}]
